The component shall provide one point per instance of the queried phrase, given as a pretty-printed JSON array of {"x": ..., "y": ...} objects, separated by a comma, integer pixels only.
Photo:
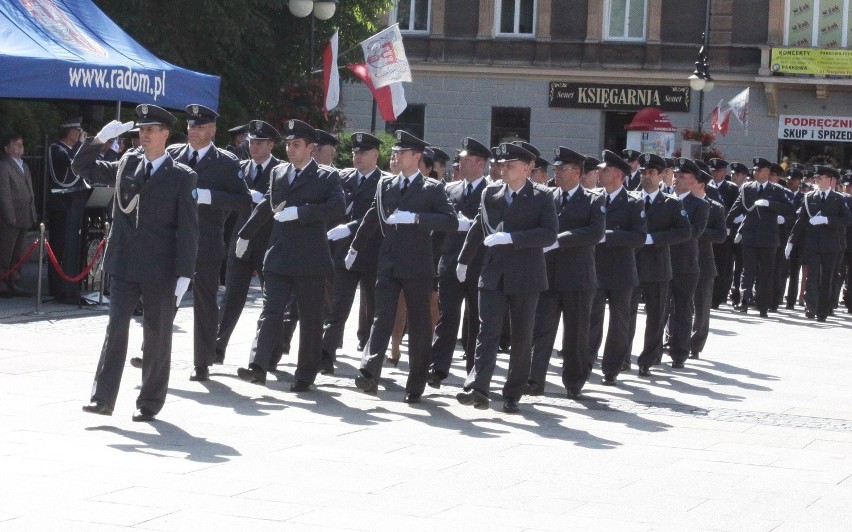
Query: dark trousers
[
  {"x": 277, "y": 291},
  {"x": 492, "y": 309},
  {"x": 451, "y": 295},
  {"x": 617, "y": 345},
  {"x": 782, "y": 270},
  {"x": 365, "y": 312},
  {"x": 758, "y": 276},
  {"x": 818, "y": 294},
  {"x": 205, "y": 286},
  {"x": 418, "y": 295},
  {"x": 346, "y": 283},
  {"x": 736, "y": 280},
  {"x": 723, "y": 255},
  {"x": 65, "y": 223},
  {"x": 291, "y": 319},
  {"x": 575, "y": 309},
  {"x": 158, "y": 300},
  {"x": 656, "y": 297},
  {"x": 681, "y": 313},
  {"x": 847, "y": 291},
  {"x": 795, "y": 268},
  {"x": 237, "y": 282},
  {"x": 13, "y": 244},
  {"x": 701, "y": 323}
]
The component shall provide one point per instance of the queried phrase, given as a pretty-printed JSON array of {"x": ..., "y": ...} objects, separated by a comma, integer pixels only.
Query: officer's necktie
[
  {"x": 759, "y": 190},
  {"x": 565, "y": 197},
  {"x": 647, "y": 202},
  {"x": 258, "y": 169},
  {"x": 361, "y": 179},
  {"x": 295, "y": 175},
  {"x": 148, "y": 168},
  {"x": 194, "y": 160},
  {"x": 608, "y": 200},
  {"x": 469, "y": 190},
  {"x": 404, "y": 188},
  {"x": 514, "y": 195},
  {"x": 822, "y": 197}
]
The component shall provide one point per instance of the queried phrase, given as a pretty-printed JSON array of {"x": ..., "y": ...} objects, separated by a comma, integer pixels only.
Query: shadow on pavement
[
  {"x": 219, "y": 394},
  {"x": 171, "y": 438}
]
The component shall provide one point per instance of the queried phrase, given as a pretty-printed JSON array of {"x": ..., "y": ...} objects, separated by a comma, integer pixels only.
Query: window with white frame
[
  {"x": 625, "y": 20},
  {"x": 412, "y": 15},
  {"x": 515, "y": 17},
  {"x": 818, "y": 23}
]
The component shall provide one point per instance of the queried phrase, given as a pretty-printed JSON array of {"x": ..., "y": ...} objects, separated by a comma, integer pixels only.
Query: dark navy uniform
[{"x": 714, "y": 233}]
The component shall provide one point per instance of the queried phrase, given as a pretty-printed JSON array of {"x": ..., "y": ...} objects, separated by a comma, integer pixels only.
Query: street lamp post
[
  {"x": 321, "y": 9},
  {"x": 700, "y": 79}
]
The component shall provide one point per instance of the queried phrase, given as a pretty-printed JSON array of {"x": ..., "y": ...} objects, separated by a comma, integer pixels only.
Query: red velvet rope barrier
[
  {"x": 24, "y": 258},
  {"x": 83, "y": 273}
]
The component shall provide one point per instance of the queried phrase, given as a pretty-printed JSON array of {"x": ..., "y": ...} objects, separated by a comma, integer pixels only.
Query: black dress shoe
[
  {"x": 510, "y": 406},
  {"x": 143, "y": 414},
  {"x": 677, "y": 364},
  {"x": 136, "y": 362},
  {"x": 434, "y": 379},
  {"x": 644, "y": 371},
  {"x": 300, "y": 386},
  {"x": 252, "y": 374},
  {"x": 200, "y": 374},
  {"x": 411, "y": 398},
  {"x": 609, "y": 380},
  {"x": 791, "y": 305},
  {"x": 695, "y": 355},
  {"x": 536, "y": 389},
  {"x": 743, "y": 307},
  {"x": 326, "y": 366},
  {"x": 367, "y": 385},
  {"x": 822, "y": 318},
  {"x": 764, "y": 314},
  {"x": 219, "y": 358},
  {"x": 473, "y": 397},
  {"x": 97, "y": 407},
  {"x": 809, "y": 315},
  {"x": 574, "y": 393}
]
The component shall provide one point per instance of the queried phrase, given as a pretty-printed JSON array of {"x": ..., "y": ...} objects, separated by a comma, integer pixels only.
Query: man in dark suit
[
  {"x": 516, "y": 220},
  {"x": 714, "y": 233},
  {"x": 820, "y": 231},
  {"x": 406, "y": 209},
  {"x": 150, "y": 254},
  {"x": 571, "y": 278},
  {"x": 303, "y": 198},
  {"x": 615, "y": 265},
  {"x": 684, "y": 255},
  {"x": 256, "y": 171},
  {"x": 17, "y": 210},
  {"x": 633, "y": 180},
  {"x": 465, "y": 196},
  {"x": 359, "y": 186},
  {"x": 757, "y": 208},
  {"x": 723, "y": 252},
  {"x": 739, "y": 176},
  {"x": 795, "y": 175},
  {"x": 221, "y": 189},
  {"x": 667, "y": 224},
  {"x": 785, "y": 224}
]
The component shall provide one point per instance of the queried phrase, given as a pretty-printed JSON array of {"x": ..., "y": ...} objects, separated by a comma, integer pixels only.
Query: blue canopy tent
[{"x": 70, "y": 50}]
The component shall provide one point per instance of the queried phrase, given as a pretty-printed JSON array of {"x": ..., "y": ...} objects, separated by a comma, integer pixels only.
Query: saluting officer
[
  {"x": 516, "y": 220},
  {"x": 303, "y": 198},
  {"x": 571, "y": 278},
  {"x": 221, "y": 189},
  {"x": 406, "y": 209},
  {"x": 359, "y": 186},
  {"x": 150, "y": 254},
  {"x": 256, "y": 171}
]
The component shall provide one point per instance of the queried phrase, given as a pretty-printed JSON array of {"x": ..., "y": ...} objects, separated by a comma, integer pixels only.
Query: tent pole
[{"x": 118, "y": 110}]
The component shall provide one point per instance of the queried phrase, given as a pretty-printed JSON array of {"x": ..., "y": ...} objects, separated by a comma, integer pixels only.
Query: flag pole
[{"x": 373, "y": 117}]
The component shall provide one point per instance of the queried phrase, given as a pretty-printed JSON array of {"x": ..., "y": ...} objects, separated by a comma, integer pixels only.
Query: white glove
[
  {"x": 180, "y": 289},
  {"x": 498, "y": 239},
  {"x": 461, "y": 272},
  {"x": 350, "y": 259},
  {"x": 204, "y": 196},
  {"x": 787, "y": 250},
  {"x": 648, "y": 240},
  {"x": 727, "y": 231},
  {"x": 464, "y": 223},
  {"x": 738, "y": 238},
  {"x": 287, "y": 214},
  {"x": 780, "y": 220},
  {"x": 241, "y": 247},
  {"x": 818, "y": 220},
  {"x": 761, "y": 203},
  {"x": 113, "y": 129},
  {"x": 551, "y": 247},
  {"x": 336, "y": 233},
  {"x": 402, "y": 217},
  {"x": 739, "y": 219},
  {"x": 256, "y": 196}
]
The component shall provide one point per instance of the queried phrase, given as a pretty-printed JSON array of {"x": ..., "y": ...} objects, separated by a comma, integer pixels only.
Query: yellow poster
[{"x": 815, "y": 61}]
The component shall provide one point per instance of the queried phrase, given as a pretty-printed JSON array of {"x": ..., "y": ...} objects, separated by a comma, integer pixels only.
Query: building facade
[{"x": 575, "y": 72}]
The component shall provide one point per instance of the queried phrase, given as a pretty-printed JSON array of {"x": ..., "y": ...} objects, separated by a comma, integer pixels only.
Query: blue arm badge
[
  {"x": 603, "y": 209},
  {"x": 683, "y": 213},
  {"x": 195, "y": 194}
]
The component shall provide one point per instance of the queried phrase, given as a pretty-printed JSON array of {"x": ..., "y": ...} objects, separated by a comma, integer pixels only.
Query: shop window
[
  {"x": 412, "y": 15},
  {"x": 413, "y": 120},
  {"x": 509, "y": 123},
  {"x": 817, "y": 23},
  {"x": 515, "y": 17},
  {"x": 624, "y": 20}
]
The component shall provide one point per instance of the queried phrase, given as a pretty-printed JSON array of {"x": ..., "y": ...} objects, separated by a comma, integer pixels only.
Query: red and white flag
[
  {"x": 721, "y": 119},
  {"x": 330, "y": 75},
  {"x": 390, "y": 99}
]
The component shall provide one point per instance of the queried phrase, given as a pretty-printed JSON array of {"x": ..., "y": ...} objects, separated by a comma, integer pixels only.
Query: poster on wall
[
  {"x": 657, "y": 142},
  {"x": 815, "y": 128}
]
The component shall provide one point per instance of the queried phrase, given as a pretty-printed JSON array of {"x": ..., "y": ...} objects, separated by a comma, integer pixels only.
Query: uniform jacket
[
  {"x": 685, "y": 254},
  {"x": 406, "y": 249},
  {"x": 715, "y": 233},
  {"x": 531, "y": 220},
  {"x": 725, "y": 193},
  {"x": 298, "y": 247},
  {"x": 158, "y": 241},
  {"x": 454, "y": 241},
  {"x": 359, "y": 199},
  {"x": 258, "y": 244},
  {"x": 219, "y": 172},
  {"x": 60, "y": 164},
  {"x": 826, "y": 238},
  {"x": 582, "y": 222},
  {"x": 17, "y": 201},
  {"x": 626, "y": 229},
  {"x": 668, "y": 224},
  {"x": 760, "y": 227},
  {"x": 633, "y": 181}
]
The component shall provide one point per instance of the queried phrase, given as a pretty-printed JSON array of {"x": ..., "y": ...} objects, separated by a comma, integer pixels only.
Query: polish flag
[
  {"x": 390, "y": 99},
  {"x": 721, "y": 119},
  {"x": 330, "y": 75}
]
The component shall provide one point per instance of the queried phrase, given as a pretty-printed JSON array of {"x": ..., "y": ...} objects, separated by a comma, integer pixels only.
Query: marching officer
[
  {"x": 723, "y": 252},
  {"x": 256, "y": 172},
  {"x": 325, "y": 148},
  {"x": 795, "y": 175},
  {"x": 516, "y": 220},
  {"x": 359, "y": 186},
  {"x": 406, "y": 209},
  {"x": 714, "y": 233},
  {"x": 221, "y": 189},
  {"x": 303, "y": 197},
  {"x": 571, "y": 278},
  {"x": 150, "y": 254},
  {"x": 739, "y": 176}
]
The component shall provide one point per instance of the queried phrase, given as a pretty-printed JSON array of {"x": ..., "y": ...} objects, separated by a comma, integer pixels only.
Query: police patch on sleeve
[
  {"x": 603, "y": 209},
  {"x": 195, "y": 193},
  {"x": 642, "y": 214},
  {"x": 683, "y": 213},
  {"x": 242, "y": 174}
]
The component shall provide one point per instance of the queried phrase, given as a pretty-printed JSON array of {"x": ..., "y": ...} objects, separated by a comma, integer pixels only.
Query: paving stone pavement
[{"x": 756, "y": 435}]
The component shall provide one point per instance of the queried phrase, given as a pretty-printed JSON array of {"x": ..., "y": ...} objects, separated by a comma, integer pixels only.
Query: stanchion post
[
  {"x": 40, "y": 267},
  {"x": 103, "y": 274}
]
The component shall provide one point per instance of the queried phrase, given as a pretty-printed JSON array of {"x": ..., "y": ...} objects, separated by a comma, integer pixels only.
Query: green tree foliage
[{"x": 344, "y": 150}]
